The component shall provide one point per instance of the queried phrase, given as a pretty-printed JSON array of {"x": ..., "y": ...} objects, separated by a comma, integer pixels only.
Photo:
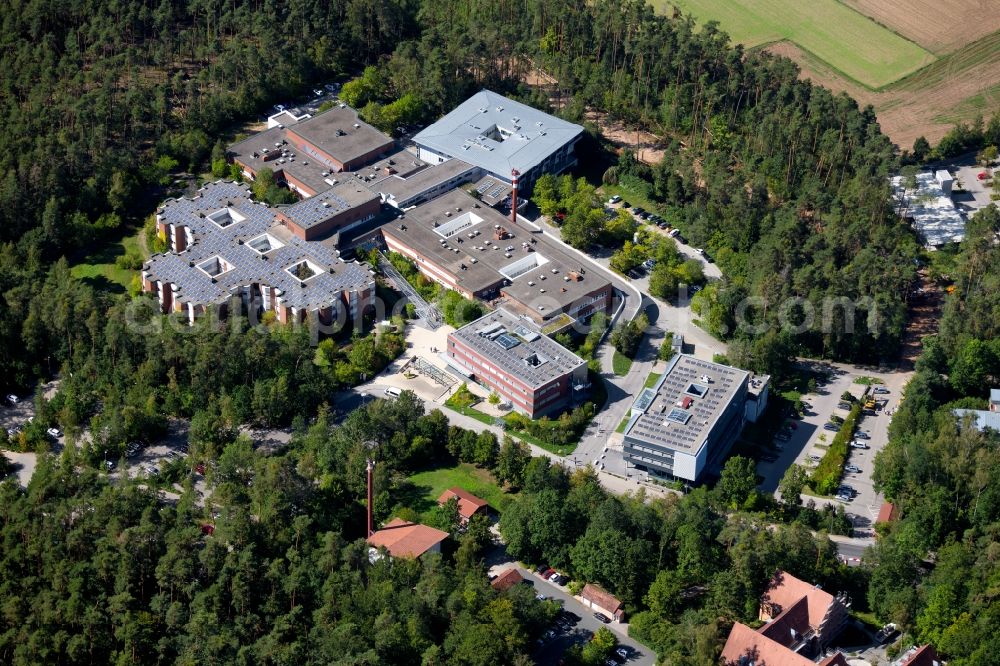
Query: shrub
[{"x": 826, "y": 476}]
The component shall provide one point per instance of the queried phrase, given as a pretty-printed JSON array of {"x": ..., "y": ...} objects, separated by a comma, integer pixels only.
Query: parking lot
[
  {"x": 710, "y": 269},
  {"x": 580, "y": 626},
  {"x": 809, "y": 438}
]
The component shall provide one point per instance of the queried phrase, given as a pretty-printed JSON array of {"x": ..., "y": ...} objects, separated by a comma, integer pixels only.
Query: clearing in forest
[{"x": 848, "y": 41}]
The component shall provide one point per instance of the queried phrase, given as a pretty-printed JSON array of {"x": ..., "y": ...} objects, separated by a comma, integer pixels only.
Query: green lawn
[
  {"x": 621, "y": 364},
  {"x": 431, "y": 483},
  {"x": 652, "y": 379},
  {"x": 99, "y": 268},
  {"x": 624, "y": 423},
  {"x": 845, "y": 39}
]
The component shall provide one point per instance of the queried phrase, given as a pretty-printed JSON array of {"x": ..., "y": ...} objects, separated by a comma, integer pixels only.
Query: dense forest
[
  {"x": 935, "y": 570},
  {"x": 99, "y": 572},
  {"x": 784, "y": 183}
]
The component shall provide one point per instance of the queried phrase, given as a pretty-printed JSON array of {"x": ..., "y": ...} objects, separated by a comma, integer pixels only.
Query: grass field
[
  {"x": 621, "y": 364},
  {"x": 99, "y": 268},
  {"x": 850, "y": 42},
  {"x": 431, "y": 483}
]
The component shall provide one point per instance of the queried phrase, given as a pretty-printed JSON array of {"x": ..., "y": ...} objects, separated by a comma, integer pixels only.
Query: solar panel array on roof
[
  {"x": 246, "y": 263},
  {"x": 660, "y": 420}
]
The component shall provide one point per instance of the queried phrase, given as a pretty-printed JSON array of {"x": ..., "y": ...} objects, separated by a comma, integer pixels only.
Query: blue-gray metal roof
[
  {"x": 532, "y": 135},
  {"x": 248, "y": 265},
  {"x": 983, "y": 419}
]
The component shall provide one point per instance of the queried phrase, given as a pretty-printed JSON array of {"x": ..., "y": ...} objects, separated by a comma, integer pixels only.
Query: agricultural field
[
  {"x": 924, "y": 65},
  {"x": 940, "y": 26},
  {"x": 955, "y": 88},
  {"x": 847, "y": 40}
]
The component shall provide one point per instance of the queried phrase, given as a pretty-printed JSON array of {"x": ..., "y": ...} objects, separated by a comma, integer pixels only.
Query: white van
[{"x": 393, "y": 391}]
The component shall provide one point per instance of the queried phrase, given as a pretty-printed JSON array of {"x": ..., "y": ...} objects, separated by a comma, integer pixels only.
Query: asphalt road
[
  {"x": 552, "y": 650},
  {"x": 805, "y": 441}
]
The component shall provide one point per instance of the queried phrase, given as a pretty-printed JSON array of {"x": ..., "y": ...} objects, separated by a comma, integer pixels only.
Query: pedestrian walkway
[{"x": 429, "y": 314}]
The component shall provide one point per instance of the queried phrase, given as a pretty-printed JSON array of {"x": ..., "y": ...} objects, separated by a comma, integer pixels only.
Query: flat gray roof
[
  {"x": 657, "y": 418},
  {"x": 246, "y": 221},
  {"x": 401, "y": 187},
  {"x": 498, "y": 134},
  {"x": 545, "y": 281},
  {"x": 519, "y": 348},
  {"x": 334, "y": 132}
]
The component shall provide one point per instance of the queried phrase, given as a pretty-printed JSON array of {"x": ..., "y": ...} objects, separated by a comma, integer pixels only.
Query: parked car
[
  {"x": 881, "y": 390},
  {"x": 855, "y": 444},
  {"x": 54, "y": 432},
  {"x": 549, "y": 573},
  {"x": 13, "y": 399},
  {"x": 844, "y": 405},
  {"x": 541, "y": 597},
  {"x": 782, "y": 437},
  {"x": 831, "y": 426},
  {"x": 622, "y": 653},
  {"x": 615, "y": 199},
  {"x": 862, "y": 434},
  {"x": 318, "y": 92},
  {"x": 109, "y": 465},
  {"x": 674, "y": 233},
  {"x": 601, "y": 617},
  {"x": 852, "y": 469},
  {"x": 393, "y": 391},
  {"x": 563, "y": 578},
  {"x": 698, "y": 250},
  {"x": 843, "y": 497},
  {"x": 541, "y": 568}
]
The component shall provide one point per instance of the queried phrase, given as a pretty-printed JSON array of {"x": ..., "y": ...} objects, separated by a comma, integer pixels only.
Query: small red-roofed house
[
  {"x": 507, "y": 580},
  {"x": 406, "y": 539},
  {"x": 468, "y": 504}
]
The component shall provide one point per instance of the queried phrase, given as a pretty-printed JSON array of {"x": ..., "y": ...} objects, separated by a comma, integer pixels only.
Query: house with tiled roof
[
  {"x": 507, "y": 580},
  {"x": 801, "y": 620},
  {"x": 826, "y": 614},
  {"x": 746, "y": 647},
  {"x": 919, "y": 656},
  {"x": 600, "y": 600},
  {"x": 401, "y": 538},
  {"x": 468, "y": 504}
]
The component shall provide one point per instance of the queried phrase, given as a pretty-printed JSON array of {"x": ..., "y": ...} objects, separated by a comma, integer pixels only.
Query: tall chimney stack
[
  {"x": 371, "y": 466},
  {"x": 513, "y": 197}
]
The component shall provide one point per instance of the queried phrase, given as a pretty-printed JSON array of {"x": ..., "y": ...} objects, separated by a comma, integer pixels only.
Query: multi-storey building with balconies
[{"x": 228, "y": 250}]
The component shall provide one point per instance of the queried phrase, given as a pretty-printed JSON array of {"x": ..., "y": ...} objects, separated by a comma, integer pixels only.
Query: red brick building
[{"x": 509, "y": 355}]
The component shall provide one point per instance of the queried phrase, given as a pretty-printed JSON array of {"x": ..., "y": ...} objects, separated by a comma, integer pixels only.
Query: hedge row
[{"x": 826, "y": 477}]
